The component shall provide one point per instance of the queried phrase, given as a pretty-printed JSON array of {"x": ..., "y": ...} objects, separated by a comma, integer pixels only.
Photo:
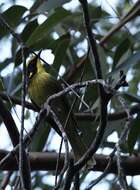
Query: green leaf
[
  {"x": 116, "y": 125},
  {"x": 131, "y": 97},
  {"x": 13, "y": 18},
  {"x": 14, "y": 47},
  {"x": 97, "y": 13},
  {"x": 12, "y": 83},
  {"x": 44, "y": 43},
  {"x": 49, "y": 43},
  {"x": 18, "y": 57},
  {"x": 1, "y": 84},
  {"x": 60, "y": 50},
  {"x": 30, "y": 27},
  {"x": 49, "y": 5},
  {"x": 40, "y": 138},
  {"x": 42, "y": 31},
  {"x": 121, "y": 49},
  {"x": 102, "y": 57},
  {"x": 133, "y": 134},
  {"x": 129, "y": 62},
  {"x": 88, "y": 131}
]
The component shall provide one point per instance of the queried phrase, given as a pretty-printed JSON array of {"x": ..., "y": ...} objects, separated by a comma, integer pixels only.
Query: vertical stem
[{"x": 21, "y": 147}]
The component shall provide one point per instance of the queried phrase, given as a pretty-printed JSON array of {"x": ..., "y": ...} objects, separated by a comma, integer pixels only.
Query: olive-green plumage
[{"x": 42, "y": 85}]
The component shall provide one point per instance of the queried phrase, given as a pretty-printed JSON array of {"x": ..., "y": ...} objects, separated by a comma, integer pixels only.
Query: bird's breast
[{"x": 40, "y": 88}]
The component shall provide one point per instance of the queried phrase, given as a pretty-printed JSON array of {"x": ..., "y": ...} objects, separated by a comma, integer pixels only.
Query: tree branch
[
  {"x": 91, "y": 38},
  {"x": 24, "y": 166},
  {"x": 82, "y": 116},
  {"x": 9, "y": 123},
  {"x": 17, "y": 101},
  {"x": 47, "y": 161},
  {"x": 11, "y": 128},
  {"x": 133, "y": 12}
]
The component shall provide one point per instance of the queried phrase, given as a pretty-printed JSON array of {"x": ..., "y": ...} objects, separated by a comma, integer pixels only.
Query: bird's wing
[{"x": 49, "y": 119}]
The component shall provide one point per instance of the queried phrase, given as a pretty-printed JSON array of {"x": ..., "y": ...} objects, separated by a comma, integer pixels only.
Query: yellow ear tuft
[{"x": 40, "y": 67}]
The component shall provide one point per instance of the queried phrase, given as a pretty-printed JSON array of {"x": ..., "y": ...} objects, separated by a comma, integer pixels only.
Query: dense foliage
[{"x": 60, "y": 26}]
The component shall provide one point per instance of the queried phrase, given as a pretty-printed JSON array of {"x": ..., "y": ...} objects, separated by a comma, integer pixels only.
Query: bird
[{"x": 41, "y": 85}]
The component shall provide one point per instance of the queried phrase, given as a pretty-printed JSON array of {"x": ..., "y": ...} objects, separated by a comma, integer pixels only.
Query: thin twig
[
  {"x": 91, "y": 38},
  {"x": 43, "y": 112},
  {"x": 77, "y": 181},
  {"x": 57, "y": 185},
  {"x": 98, "y": 71},
  {"x": 17, "y": 184},
  {"x": 122, "y": 139},
  {"x": 133, "y": 12},
  {"x": 126, "y": 129},
  {"x": 6, "y": 179},
  {"x": 10, "y": 29},
  {"x": 79, "y": 115},
  {"x": 70, "y": 114},
  {"x": 64, "y": 91},
  {"x": 27, "y": 138},
  {"x": 26, "y": 184},
  {"x": 105, "y": 172},
  {"x": 121, "y": 175},
  {"x": 96, "y": 142},
  {"x": 24, "y": 168},
  {"x": 57, "y": 164},
  {"x": 9, "y": 123},
  {"x": 76, "y": 86},
  {"x": 17, "y": 101},
  {"x": 21, "y": 147},
  {"x": 66, "y": 161}
]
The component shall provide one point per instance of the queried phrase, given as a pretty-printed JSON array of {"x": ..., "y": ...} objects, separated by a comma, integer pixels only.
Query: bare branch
[
  {"x": 96, "y": 142},
  {"x": 80, "y": 115},
  {"x": 6, "y": 179},
  {"x": 47, "y": 161},
  {"x": 133, "y": 12},
  {"x": 9, "y": 123},
  {"x": 24, "y": 167},
  {"x": 91, "y": 38},
  {"x": 66, "y": 161}
]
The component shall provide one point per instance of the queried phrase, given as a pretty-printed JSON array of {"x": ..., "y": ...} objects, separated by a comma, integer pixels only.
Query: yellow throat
[{"x": 40, "y": 83}]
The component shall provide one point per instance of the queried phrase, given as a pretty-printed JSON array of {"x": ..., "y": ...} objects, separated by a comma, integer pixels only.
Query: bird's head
[{"x": 34, "y": 67}]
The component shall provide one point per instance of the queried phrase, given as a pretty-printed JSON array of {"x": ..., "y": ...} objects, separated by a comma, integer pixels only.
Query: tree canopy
[{"x": 92, "y": 49}]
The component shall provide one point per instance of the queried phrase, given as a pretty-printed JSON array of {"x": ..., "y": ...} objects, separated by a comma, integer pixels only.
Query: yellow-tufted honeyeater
[{"x": 41, "y": 85}]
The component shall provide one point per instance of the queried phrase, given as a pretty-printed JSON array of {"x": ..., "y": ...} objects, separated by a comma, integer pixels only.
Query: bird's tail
[{"x": 71, "y": 128}]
